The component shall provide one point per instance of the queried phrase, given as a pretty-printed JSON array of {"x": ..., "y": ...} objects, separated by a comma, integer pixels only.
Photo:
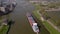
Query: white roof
[{"x": 34, "y": 23}]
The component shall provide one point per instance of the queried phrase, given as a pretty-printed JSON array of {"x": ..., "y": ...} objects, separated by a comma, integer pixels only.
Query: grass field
[
  {"x": 44, "y": 23},
  {"x": 47, "y": 25},
  {"x": 4, "y": 29},
  {"x": 43, "y": 30},
  {"x": 55, "y": 16}
]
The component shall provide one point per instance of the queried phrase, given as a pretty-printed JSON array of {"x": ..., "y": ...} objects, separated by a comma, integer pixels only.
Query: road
[{"x": 21, "y": 25}]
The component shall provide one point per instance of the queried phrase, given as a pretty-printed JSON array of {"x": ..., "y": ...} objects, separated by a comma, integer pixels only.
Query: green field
[
  {"x": 4, "y": 29},
  {"x": 43, "y": 30},
  {"x": 55, "y": 17},
  {"x": 46, "y": 25}
]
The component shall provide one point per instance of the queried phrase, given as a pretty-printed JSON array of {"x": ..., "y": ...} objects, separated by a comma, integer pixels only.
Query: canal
[{"x": 21, "y": 25}]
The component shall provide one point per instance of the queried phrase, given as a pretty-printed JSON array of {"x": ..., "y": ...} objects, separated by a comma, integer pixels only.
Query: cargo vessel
[{"x": 32, "y": 23}]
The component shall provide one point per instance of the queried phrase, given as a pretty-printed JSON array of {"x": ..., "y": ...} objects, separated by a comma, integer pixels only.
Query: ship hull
[{"x": 31, "y": 21}]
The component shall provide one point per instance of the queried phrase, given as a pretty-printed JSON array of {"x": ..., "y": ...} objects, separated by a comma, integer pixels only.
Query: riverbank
[
  {"x": 4, "y": 29},
  {"x": 43, "y": 30},
  {"x": 47, "y": 26},
  {"x": 4, "y": 26},
  {"x": 50, "y": 29}
]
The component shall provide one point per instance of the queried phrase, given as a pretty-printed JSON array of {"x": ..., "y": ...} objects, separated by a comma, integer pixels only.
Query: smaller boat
[{"x": 32, "y": 23}]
